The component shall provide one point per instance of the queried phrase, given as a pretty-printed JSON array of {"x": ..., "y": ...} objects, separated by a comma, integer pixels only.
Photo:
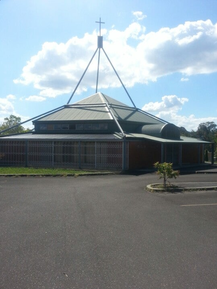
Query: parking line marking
[{"x": 198, "y": 205}]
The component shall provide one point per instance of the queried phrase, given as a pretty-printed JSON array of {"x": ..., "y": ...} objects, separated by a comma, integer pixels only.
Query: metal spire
[
  {"x": 100, "y": 46},
  {"x": 82, "y": 76}
]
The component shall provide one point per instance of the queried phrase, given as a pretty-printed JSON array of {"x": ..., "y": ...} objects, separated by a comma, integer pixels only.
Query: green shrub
[{"x": 165, "y": 171}]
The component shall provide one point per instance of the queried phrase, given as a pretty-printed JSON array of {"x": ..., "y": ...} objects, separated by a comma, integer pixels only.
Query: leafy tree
[
  {"x": 207, "y": 131},
  {"x": 184, "y": 131},
  {"x": 165, "y": 170},
  {"x": 9, "y": 123}
]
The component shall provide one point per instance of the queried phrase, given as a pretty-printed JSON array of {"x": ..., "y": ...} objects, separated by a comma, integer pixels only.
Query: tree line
[{"x": 206, "y": 131}]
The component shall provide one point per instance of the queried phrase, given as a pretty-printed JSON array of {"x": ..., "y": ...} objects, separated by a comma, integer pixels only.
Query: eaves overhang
[
  {"x": 62, "y": 137},
  {"x": 182, "y": 140}
]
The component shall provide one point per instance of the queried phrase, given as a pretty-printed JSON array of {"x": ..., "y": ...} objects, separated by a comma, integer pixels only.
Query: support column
[
  {"x": 26, "y": 153},
  {"x": 124, "y": 154},
  {"x": 95, "y": 151},
  {"x": 162, "y": 153},
  {"x": 213, "y": 150},
  {"x": 199, "y": 153},
  {"x": 202, "y": 154},
  {"x": 52, "y": 154},
  {"x": 180, "y": 154},
  {"x": 79, "y": 154}
]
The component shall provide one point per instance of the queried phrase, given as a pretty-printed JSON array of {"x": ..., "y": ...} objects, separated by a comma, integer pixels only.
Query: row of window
[{"x": 82, "y": 126}]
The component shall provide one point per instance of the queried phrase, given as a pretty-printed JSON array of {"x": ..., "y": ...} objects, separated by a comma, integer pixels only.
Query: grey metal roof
[
  {"x": 75, "y": 113},
  {"x": 100, "y": 98},
  {"x": 98, "y": 137},
  {"x": 131, "y": 114},
  {"x": 101, "y": 107}
]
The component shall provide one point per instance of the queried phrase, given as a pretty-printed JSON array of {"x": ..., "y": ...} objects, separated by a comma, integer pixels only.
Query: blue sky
[{"x": 164, "y": 51}]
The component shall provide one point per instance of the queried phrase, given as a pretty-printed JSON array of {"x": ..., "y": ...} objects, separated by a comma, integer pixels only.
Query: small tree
[{"x": 165, "y": 170}]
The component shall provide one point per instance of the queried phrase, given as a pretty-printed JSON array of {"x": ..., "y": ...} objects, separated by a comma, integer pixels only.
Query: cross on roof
[{"x": 100, "y": 22}]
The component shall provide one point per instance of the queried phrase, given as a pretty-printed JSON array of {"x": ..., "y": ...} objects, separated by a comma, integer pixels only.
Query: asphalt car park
[{"x": 107, "y": 232}]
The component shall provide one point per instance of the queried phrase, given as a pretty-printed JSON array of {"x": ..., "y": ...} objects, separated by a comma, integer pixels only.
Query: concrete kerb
[
  {"x": 151, "y": 188},
  {"x": 206, "y": 169}
]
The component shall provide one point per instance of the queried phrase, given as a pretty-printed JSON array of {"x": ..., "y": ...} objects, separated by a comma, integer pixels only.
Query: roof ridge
[{"x": 102, "y": 97}]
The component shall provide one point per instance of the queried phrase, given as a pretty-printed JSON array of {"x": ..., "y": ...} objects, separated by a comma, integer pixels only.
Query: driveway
[{"x": 106, "y": 232}]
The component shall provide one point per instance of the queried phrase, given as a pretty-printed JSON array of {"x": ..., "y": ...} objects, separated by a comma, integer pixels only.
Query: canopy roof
[{"x": 100, "y": 137}]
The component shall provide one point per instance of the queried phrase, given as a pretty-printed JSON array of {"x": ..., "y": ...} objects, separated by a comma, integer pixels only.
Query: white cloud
[
  {"x": 190, "y": 122},
  {"x": 184, "y": 79},
  {"x": 190, "y": 48},
  {"x": 139, "y": 15},
  {"x": 169, "y": 108},
  {"x": 168, "y": 103},
  {"x": 6, "y": 107},
  {"x": 57, "y": 67},
  {"x": 35, "y": 98}
]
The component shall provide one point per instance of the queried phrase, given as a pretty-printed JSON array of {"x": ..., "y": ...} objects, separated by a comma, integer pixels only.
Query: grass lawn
[{"x": 41, "y": 171}]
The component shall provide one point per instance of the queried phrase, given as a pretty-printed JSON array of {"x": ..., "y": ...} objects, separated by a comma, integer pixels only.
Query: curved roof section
[{"x": 168, "y": 131}]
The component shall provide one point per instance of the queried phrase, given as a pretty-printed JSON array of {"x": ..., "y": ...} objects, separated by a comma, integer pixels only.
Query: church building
[{"x": 100, "y": 133}]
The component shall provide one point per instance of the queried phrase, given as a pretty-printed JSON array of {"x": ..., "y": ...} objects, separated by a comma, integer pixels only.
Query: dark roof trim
[{"x": 62, "y": 137}]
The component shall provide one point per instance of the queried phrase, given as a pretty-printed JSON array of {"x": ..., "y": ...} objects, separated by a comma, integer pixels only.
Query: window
[{"x": 91, "y": 126}]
